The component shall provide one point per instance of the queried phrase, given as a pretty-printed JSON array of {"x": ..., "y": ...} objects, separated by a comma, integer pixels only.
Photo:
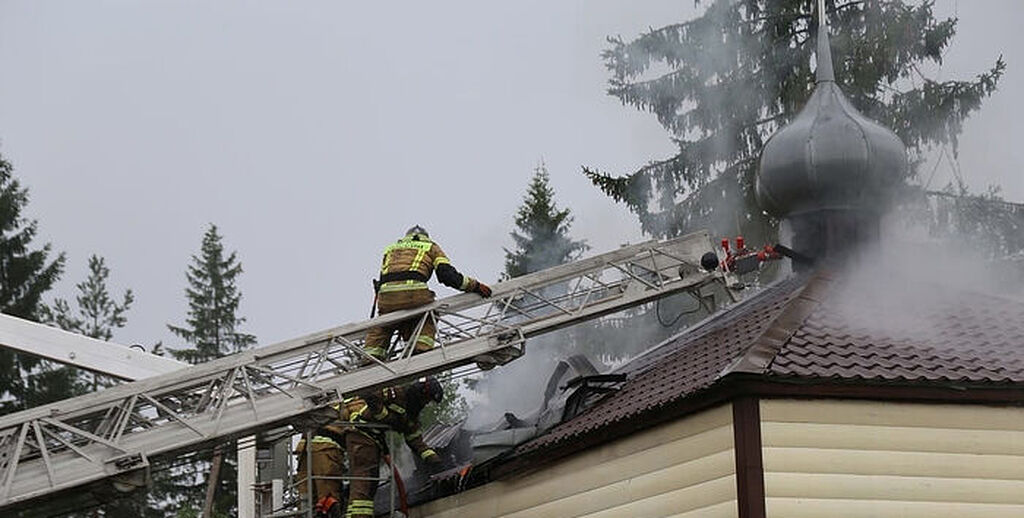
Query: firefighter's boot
[{"x": 327, "y": 507}]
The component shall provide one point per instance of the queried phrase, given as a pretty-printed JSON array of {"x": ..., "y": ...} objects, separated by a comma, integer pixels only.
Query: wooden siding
[
  {"x": 870, "y": 459},
  {"x": 684, "y": 469}
]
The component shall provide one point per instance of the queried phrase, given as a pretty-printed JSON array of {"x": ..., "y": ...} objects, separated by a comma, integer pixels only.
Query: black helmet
[
  {"x": 432, "y": 389},
  {"x": 417, "y": 230}
]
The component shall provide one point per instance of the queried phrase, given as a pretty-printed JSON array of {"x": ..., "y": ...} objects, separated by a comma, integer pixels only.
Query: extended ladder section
[
  {"x": 115, "y": 433},
  {"x": 119, "y": 361}
]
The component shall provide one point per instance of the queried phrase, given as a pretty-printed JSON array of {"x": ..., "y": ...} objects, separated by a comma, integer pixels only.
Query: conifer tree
[
  {"x": 729, "y": 78},
  {"x": 542, "y": 231},
  {"x": 26, "y": 273},
  {"x": 542, "y": 240},
  {"x": 211, "y": 330},
  {"x": 213, "y": 299},
  {"x": 98, "y": 315}
]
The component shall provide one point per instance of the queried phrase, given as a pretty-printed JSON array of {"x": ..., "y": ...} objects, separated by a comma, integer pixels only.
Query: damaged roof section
[
  {"x": 820, "y": 329},
  {"x": 469, "y": 452},
  {"x": 682, "y": 365},
  {"x": 806, "y": 331}
]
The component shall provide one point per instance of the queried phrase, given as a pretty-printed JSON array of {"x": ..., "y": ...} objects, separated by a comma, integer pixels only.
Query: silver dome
[{"x": 830, "y": 157}]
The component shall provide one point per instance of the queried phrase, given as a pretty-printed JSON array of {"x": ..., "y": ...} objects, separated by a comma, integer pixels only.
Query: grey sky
[{"x": 314, "y": 133}]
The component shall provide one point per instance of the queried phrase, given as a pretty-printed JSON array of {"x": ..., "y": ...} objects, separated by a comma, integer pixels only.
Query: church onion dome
[{"x": 830, "y": 157}]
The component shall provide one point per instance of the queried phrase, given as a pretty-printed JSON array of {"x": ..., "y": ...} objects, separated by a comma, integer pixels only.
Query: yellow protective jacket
[
  {"x": 409, "y": 263},
  {"x": 386, "y": 407}
]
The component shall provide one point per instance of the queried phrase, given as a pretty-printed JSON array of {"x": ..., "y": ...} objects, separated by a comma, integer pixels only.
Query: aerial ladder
[
  {"x": 114, "y": 435},
  {"x": 126, "y": 363},
  {"x": 121, "y": 362}
]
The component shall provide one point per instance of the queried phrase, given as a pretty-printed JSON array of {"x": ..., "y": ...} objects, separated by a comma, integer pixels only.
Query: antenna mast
[{"x": 824, "y": 52}]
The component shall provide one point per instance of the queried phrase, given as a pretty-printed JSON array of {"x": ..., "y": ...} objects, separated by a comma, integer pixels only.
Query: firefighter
[
  {"x": 326, "y": 458},
  {"x": 407, "y": 266},
  {"x": 399, "y": 409}
]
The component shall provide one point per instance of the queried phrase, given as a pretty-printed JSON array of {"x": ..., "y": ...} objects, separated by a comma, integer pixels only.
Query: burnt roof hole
[{"x": 588, "y": 391}]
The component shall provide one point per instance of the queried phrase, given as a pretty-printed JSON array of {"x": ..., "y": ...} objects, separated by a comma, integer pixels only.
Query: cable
[{"x": 657, "y": 311}]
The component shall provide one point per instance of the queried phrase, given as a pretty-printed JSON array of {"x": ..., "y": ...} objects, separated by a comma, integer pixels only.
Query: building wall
[
  {"x": 868, "y": 459},
  {"x": 684, "y": 469}
]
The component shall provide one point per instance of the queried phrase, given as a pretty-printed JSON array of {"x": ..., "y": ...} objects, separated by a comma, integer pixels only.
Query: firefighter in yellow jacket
[
  {"x": 327, "y": 467},
  {"x": 407, "y": 266},
  {"x": 399, "y": 408}
]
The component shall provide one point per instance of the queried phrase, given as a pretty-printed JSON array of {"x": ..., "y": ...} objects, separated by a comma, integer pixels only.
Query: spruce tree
[
  {"x": 542, "y": 231},
  {"x": 542, "y": 238},
  {"x": 213, "y": 299},
  {"x": 211, "y": 330},
  {"x": 27, "y": 272},
  {"x": 98, "y": 315},
  {"x": 726, "y": 80}
]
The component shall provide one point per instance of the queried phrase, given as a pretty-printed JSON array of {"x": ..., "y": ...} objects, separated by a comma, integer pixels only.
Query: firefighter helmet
[
  {"x": 417, "y": 230},
  {"x": 432, "y": 389}
]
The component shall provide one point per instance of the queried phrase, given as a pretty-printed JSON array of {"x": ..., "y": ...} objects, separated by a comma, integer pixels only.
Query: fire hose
[{"x": 403, "y": 500}]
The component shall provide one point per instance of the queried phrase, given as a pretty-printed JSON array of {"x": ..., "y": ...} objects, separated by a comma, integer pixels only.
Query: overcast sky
[{"x": 314, "y": 133}]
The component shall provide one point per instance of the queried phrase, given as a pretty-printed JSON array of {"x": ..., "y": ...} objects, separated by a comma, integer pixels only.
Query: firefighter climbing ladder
[{"x": 117, "y": 432}]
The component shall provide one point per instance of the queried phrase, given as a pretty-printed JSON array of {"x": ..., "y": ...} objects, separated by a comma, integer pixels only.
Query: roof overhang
[{"x": 745, "y": 385}]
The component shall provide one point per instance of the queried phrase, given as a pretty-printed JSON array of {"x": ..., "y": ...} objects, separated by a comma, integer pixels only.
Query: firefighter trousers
[
  {"x": 327, "y": 462},
  {"x": 378, "y": 338},
  {"x": 364, "y": 467}
]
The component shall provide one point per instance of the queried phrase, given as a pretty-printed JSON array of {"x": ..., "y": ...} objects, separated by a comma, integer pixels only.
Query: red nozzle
[
  {"x": 739, "y": 243},
  {"x": 725, "y": 244}
]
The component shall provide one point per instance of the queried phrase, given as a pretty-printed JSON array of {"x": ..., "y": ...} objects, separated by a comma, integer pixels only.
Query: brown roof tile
[
  {"x": 937, "y": 334},
  {"x": 819, "y": 328},
  {"x": 681, "y": 366}
]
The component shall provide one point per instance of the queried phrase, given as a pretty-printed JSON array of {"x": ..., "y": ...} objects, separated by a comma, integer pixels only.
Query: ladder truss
[
  {"x": 119, "y": 361},
  {"x": 115, "y": 433}
]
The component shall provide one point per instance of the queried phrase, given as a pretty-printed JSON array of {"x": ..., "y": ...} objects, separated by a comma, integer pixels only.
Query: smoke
[
  {"x": 517, "y": 387},
  {"x": 606, "y": 342},
  {"x": 916, "y": 287},
  {"x": 707, "y": 185},
  {"x": 896, "y": 277}
]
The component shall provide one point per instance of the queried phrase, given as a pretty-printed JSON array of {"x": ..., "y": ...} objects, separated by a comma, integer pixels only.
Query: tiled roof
[
  {"x": 943, "y": 335},
  {"x": 820, "y": 329},
  {"x": 680, "y": 366}
]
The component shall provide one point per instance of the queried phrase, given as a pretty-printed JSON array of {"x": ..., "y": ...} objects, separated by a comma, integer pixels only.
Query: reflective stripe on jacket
[
  {"x": 317, "y": 439},
  {"x": 388, "y": 410},
  {"x": 414, "y": 253}
]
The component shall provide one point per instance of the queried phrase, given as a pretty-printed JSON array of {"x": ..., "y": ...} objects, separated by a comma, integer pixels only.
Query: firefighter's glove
[
  {"x": 431, "y": 458},
  {"x": 483, "y": 289},
  {"x": 433, "y": 462}
]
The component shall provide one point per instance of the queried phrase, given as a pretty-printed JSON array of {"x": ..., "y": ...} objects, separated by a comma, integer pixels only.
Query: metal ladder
[{"x": 117, "y": 432}]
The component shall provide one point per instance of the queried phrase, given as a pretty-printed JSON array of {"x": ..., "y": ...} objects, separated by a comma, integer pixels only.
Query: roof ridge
[{"x": 759, "y": 355}]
